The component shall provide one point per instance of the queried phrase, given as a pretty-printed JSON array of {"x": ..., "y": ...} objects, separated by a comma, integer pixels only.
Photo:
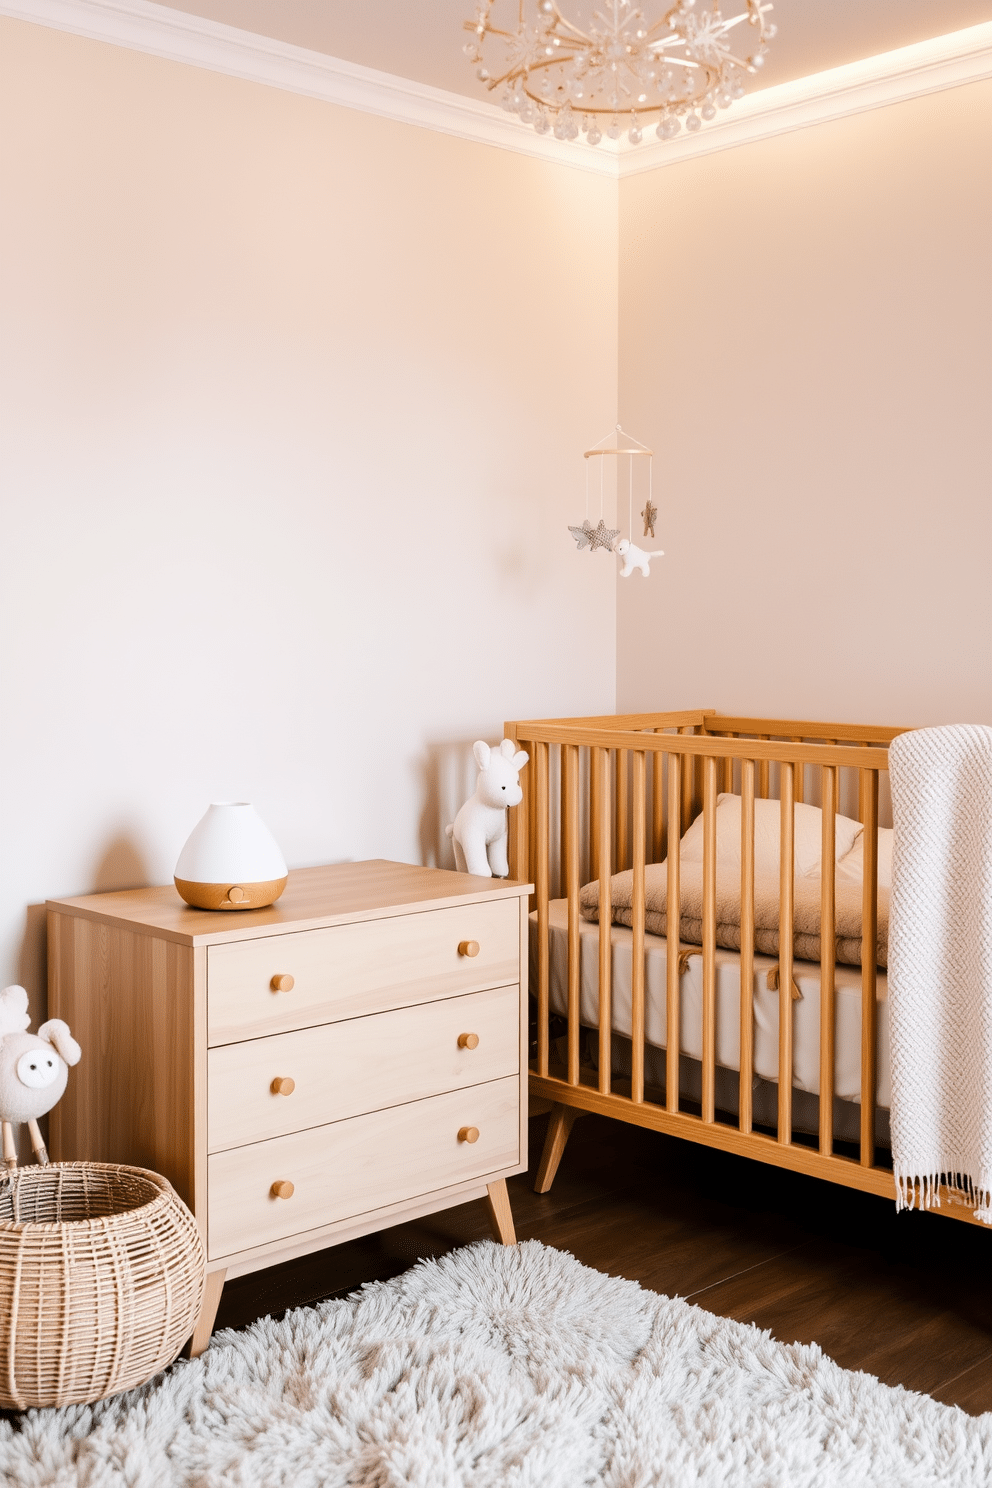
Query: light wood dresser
[{"x": 351, "y": 1057}]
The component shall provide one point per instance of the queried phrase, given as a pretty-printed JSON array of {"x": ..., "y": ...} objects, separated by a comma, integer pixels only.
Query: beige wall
[
  {"x": 806, "y": 340},
  {"x": 291, "y": 404},
  {"x": 292, "y": 401}
]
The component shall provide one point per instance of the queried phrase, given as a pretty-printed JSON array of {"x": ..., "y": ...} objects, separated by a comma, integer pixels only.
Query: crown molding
[
  {"x": 160, "y": 31},
  {"x": 141, "y": 25},
  {"x": 890, "y": 77}
]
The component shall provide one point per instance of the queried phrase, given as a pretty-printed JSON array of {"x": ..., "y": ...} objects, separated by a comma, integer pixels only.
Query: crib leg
[
  {"x": 560, "y": 1124},
  {"x": 38, "y": 1142},
  {"x": 9, "y": 1147}
]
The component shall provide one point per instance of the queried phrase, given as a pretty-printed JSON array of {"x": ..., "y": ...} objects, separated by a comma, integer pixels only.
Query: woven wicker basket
[{"x": 101, "y": 1281}]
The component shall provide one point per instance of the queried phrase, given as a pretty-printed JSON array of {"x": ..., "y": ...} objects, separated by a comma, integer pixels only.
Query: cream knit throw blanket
[{"x": 940, "y": 966}]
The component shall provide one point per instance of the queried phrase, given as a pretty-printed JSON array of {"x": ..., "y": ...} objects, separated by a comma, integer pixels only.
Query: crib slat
[
  {"x": 861, "y": 795},
  {"x": 593, "y": 814},
  {"x": 799, "y": 791},
  {"x": 639, "y": 845},
  {"x": 541, "y": 869},
  {"x": 570, "y": 831},
  {"x": 828, "y": 950},
  {"x": 869, "y": 936},
  {"x": 709, "y": 939},
  {"x": 673, "y": 930},
  {"x": 785, "y": 910},
  {"x": 688, "y": 772},
  {"x": 602, "y": 830},
  {"x": 763, "y": 769},
  {"x": 558, "y": 887},
  {"x": 532, "y": 815},
  {"x": 622, "y": 765},
  {"x": 519, "y": 833},
  {"x": 745, "y": 1104},
  {"x": 657, "y": 806}
]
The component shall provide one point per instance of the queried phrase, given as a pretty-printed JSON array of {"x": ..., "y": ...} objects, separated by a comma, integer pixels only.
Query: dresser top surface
[{"x": 313, "y": 898}]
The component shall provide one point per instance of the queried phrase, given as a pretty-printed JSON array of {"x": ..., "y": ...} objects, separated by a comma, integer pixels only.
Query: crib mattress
[{"x": 805, "y": 1010}]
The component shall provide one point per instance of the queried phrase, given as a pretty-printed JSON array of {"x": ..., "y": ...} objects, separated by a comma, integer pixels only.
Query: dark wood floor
[{"x": 906, "y": 1297}]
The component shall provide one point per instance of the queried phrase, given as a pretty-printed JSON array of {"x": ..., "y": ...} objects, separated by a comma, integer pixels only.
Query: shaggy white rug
[{"x": 506, "y": 1367}]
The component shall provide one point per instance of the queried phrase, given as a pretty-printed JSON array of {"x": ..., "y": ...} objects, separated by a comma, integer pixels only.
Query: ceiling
[{"x": 423, "y": 39}]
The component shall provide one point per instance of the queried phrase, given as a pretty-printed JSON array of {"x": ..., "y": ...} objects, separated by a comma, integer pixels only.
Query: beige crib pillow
[
  {"x": 767, "y": 825},
  {"x": 852, "y": 865},
  {"x": 767, "y": 828}
]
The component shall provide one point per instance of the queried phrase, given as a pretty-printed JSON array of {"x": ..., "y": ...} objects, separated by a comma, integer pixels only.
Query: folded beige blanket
[{"x": 806, "y": 918}]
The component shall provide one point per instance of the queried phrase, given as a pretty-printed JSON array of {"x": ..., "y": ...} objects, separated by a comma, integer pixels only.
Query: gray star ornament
[{"x": 603, "y": 537}]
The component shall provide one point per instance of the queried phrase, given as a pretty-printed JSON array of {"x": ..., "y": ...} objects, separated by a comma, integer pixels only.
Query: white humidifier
[{"x": 231, "y": 860}]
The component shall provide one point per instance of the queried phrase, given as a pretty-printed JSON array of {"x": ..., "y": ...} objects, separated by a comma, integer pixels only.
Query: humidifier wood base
[{"x": 230, "y": 896}]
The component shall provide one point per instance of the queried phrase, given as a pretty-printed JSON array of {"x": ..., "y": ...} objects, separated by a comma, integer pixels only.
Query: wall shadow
[
  {"x": 120, "y": 866},
  {"x": 448, "y": 774},
  {"x": 32, "y": 962}
]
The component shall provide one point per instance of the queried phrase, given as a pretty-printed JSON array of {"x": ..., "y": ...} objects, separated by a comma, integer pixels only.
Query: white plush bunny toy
[
  {"x": 635, "y": 557},
  {"x": 478, "y": 832},
  {"x": 34, "y": 1069}
]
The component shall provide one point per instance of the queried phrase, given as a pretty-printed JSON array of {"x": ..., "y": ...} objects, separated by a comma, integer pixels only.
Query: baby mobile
[{"x": 589, "y": 537}]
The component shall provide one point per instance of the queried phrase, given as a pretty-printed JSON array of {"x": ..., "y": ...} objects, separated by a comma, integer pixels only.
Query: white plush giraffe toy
[
  {"x": 34, "y": 1069},
  {"x": 478, "y": 832}
]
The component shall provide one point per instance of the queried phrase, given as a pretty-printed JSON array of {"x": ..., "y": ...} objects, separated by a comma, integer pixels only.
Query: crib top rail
[
  {"x": 711, "y": 726},
  {"x": 801, "y": 729},
  {"x": 686, "y": 718},
  {"x": 597, "y": 735}
]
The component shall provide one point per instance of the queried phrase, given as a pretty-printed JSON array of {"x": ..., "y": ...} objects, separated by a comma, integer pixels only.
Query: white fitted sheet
[{"x": 806, "y": 1009}]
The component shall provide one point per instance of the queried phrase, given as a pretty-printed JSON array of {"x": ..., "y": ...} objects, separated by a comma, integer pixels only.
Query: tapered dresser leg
[
  {"x": 208, "y": 1313},
  {"x": 500, "y": 1214},
  {"x": 560, "y": 1124}
]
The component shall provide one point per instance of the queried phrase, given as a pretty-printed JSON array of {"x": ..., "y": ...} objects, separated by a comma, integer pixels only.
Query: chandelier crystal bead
[{"x": 620, "y": 60}]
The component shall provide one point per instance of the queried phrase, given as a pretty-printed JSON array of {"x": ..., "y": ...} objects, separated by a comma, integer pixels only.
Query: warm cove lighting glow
[
  {"x": 925, "y": 67},
  {"x": 873, "y": 82}
]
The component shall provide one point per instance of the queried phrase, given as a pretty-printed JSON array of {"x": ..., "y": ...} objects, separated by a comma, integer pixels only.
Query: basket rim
[{"x": 163, "y": 1194}]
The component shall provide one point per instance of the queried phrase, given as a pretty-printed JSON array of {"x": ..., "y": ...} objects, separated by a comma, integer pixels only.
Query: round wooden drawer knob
[
  {"x": 468, "y": 1041},
  {"x": 283, "y": 983},
  {"x": 468, "y": 948},
  {"x": 284, "y": 1085},
  {"x": 468, "y": 1134},
  {"x": 236, "y": 895},
  {"x": 283, "y": 1189}
]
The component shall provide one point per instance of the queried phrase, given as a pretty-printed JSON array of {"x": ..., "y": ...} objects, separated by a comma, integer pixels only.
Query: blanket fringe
[
  {"x": 923, "y": 1191},
  {"x": 773, "y": 980}
]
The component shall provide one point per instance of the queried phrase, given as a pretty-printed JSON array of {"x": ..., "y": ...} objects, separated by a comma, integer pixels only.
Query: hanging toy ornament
[
  {"x": 589, "y": 537},
  {"x": 635, "y": 557}
]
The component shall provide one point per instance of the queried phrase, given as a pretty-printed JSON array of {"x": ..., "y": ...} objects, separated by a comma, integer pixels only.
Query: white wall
[
  {"x": 805, "y": 334},
  {"x": 293, "y": 401}
]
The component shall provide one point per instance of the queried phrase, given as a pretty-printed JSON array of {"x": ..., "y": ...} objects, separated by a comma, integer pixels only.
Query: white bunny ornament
[
  {"x": 635, "y": 557},
  {"x": 34, "y": 1069},
  {"x": 478, "y": 832}
]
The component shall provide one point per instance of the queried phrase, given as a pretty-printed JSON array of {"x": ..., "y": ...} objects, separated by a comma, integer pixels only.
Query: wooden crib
[{"x": 618, "y": 792}]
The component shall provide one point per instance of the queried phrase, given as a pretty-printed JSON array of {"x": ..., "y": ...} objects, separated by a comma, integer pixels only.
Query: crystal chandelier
[{"x": 620, "y": 67}]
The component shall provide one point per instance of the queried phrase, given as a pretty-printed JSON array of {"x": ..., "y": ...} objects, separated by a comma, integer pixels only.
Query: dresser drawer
[
  {"x": 354, "y": 1167},
  {"x": 346, "y": 971},
  {"x": 364, "y": 1064}
]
